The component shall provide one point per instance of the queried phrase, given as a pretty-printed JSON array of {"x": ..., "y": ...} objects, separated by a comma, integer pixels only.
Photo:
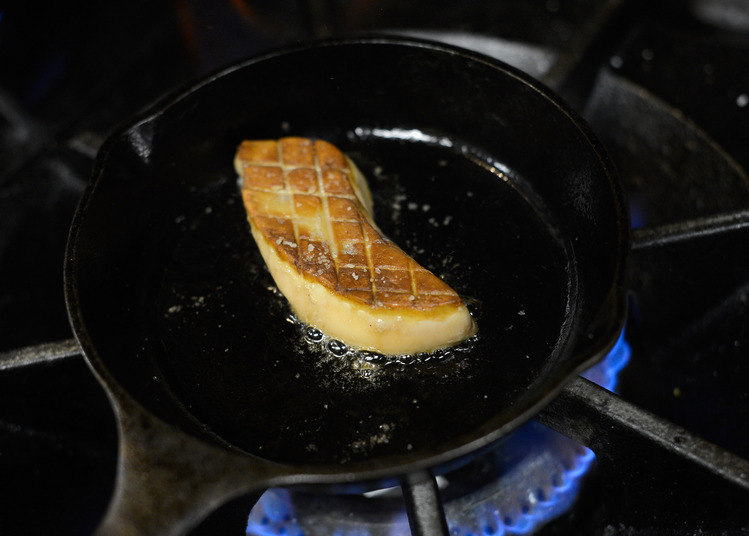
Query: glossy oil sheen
[{"x": 233, "y": 358}]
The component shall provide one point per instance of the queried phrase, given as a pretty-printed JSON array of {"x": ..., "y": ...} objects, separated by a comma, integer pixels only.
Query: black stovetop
[{"x": 666, "y": 88}]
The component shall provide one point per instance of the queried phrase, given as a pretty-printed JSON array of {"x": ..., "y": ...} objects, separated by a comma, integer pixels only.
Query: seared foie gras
[{"x": 310, "y": 212}]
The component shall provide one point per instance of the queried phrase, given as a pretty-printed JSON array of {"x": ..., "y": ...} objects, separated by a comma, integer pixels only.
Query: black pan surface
[
  {"x": 476, "y": 173},
  {"x": 230, "y": 353}
]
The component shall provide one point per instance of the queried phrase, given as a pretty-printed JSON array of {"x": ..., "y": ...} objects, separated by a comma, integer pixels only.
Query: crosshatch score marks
[{"x": 304, "y": 198}]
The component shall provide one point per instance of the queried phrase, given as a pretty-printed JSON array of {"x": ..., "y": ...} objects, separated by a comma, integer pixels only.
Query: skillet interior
[
  {"x": 175, "y": 298},
  {"x": 243, "y": 369}
]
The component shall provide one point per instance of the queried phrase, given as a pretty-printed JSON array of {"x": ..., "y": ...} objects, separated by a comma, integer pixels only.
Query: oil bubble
[
  {"x": 314, "y": 335},
  {"x": 437, "y": 354},
  {"x": 371, "y": 357},
  {"x": 337, "y": 348},
  {"x": 474, "y": 307}
]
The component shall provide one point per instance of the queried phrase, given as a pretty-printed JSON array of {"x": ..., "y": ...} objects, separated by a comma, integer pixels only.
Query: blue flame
[
  {"x": 273, "y": 515},
  {"x": 534, "y": 504},
  {"x": 539, "y": 507},
  {"x": 638, "y": 213},
  {"x": 606, "y": 373}
]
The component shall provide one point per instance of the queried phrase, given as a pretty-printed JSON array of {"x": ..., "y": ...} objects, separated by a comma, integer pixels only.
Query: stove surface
[{"x": 664, "y": 86}]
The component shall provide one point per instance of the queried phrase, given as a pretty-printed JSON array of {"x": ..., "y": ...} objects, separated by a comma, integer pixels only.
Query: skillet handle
[{"x": 168, "y": 481}]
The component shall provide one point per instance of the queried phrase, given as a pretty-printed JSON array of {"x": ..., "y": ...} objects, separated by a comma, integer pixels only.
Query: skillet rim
[{"x": 376, "y": 468}]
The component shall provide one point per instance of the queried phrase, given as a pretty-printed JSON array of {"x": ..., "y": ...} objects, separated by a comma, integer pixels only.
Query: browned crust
[{"x": 301, "y": 195}]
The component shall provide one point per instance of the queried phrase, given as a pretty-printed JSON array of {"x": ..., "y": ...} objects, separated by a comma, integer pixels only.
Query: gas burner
[{"x": 531, "y": 478}]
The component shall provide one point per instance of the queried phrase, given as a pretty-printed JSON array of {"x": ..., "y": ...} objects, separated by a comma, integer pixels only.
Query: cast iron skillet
[{"x": 477, "y": 171}]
